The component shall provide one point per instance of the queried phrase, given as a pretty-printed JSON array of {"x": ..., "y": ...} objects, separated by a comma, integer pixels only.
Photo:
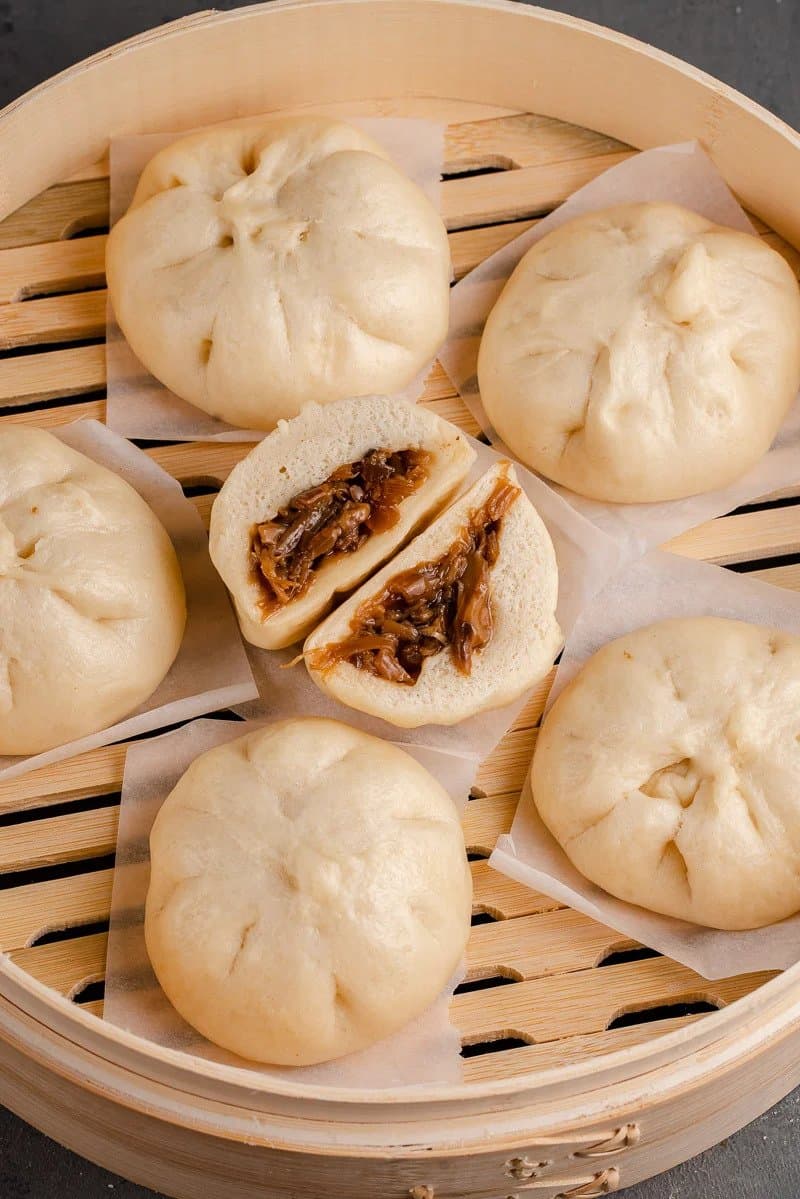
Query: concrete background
[{"x": 751, "y": 44}]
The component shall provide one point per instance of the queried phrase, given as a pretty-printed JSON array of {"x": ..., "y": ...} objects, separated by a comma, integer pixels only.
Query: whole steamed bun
[
  {"x": 309, "y": 892},
  {"x": 92, "y": 606},
  {"x": 277, "y": 260},
  {"x": 642, "y": 353},
  {"x": 669, "y": 771}
]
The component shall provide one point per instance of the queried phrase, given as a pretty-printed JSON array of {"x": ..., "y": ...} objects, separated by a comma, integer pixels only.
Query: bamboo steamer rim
[
  {"x": 711, "y": 111},
  {"x": 722, "y": 118},
  {"x": 436, "y": 1108},
  {"x": 87, "y": 1029}
]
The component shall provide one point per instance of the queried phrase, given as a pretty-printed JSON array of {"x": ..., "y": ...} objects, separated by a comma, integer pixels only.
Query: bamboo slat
[
  {"x": 60, "y": 414},
  {"x": 539, "y": 1010},
  {"x": 769, "y": 533},
  {"x": 58, "y": 839},
  {"x": 477, "y": 137},
  {"x": 533, "y": 946},
  {"x": 502, "y": 897},
  {"x": 37, "y": 377},
  {"x": 30, "y": 911},
  {"x": 53, "y": 319},
  {"x": 36, "y": 270},
  {"x": 548, "y": 174},
  {"x": 506, "y": 768},
  {"x": 485, "y": 819},
  {"x": 96, "y": 772},
  {"x": 565, "y": 1005},
  {"x": 66, "y": 966},
  {"x": 510, "y": 1063},
  {"x": 60, "y": 212},
  {"x": 509, "y": 195}
]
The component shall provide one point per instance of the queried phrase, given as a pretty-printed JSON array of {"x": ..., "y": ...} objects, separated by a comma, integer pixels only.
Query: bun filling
[
  {"x": 436, "y": 605},
  {"x": 334, "y": 518}
]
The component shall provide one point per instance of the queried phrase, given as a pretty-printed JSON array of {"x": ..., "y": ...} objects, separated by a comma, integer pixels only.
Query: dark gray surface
[{"x": 752, "y": 44}]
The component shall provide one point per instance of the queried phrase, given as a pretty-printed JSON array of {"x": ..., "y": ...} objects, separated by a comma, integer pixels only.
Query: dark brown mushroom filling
[
  {"x": 334, "y": 518},
  {"x": 421, "y": 611}
]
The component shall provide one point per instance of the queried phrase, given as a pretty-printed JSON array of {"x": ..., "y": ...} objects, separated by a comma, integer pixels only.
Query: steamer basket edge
[
  {"x": 742, "y": 1023},
  {"x": 532, "y": 44},
  {"x": 699, "y": 107},
  {"x": 452, "y": 1119}
]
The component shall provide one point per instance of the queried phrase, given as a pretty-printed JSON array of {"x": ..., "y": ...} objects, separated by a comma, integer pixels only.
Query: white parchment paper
[
  {"x": 680, "y": 174},
  {"x": 658, "y": 586},
  {"x": 211, "y": 669},
  {"x": 138, "y": 405},
  {"x": 586, "y": 557},
  {"x": 425, "y": 1051}
]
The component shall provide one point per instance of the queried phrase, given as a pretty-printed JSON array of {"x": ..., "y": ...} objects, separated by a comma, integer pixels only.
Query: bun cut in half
[
  {"x": 461, "y": 621},
  {"x": 322, "y": 501}
]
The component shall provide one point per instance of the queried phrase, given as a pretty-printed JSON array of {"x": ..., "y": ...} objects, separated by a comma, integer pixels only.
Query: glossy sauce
[
  {"x": 334, "y": 518},
  {"x": 437, "y": 605}
]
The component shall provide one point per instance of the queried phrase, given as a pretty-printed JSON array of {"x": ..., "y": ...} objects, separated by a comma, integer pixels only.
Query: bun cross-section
[
  {"x": 335, "y": 517},
  {"x": 461, "y": 621},
  {"x": 323, "y": 501},
  {"x": 444, "y": 604}
]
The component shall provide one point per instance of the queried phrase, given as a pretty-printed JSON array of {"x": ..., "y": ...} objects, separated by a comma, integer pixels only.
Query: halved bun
[
  {"x": 303, "y": 453},
  {"x": 525, "y": 637}
]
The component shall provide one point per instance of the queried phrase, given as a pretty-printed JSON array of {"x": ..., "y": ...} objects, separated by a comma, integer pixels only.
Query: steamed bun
[
  {"x": 642, "y": 353},
  {"x": 277, "y": 260},
  {"x": 669, "y": 771},
  {"x": 92, "y": 605},
  {"x": 309, "y": 892}
]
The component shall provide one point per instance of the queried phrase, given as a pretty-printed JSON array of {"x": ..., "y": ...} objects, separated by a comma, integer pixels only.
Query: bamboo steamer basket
[{"x": 597, "y": 1065}]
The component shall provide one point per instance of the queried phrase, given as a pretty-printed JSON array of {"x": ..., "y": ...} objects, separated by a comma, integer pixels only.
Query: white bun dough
[
  {"x": 278, "y": 260},
  {"x": 642, "y": 354},
  {"x": 669, "y": 771},
  {"x": 309, "y": 892},
  {"x": 525, "y": 639},
  {"x": 303, "y": 453},
  {"x": 92, "y": 606}
]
